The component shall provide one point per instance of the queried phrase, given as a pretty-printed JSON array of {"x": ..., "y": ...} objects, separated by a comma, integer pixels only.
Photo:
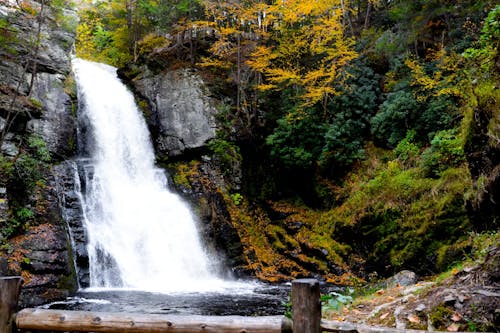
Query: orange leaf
[{"x": 413, "y": 319}]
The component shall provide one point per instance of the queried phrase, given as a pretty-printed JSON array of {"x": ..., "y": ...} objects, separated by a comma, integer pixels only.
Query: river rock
[
  {"x": 183, "y": 114},
  {"x": 403, "y": 278}
]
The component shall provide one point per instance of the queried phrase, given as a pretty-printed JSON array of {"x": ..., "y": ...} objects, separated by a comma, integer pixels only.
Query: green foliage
[
  {"x": 418, "y": 100},
  {"x": 39, "y": 148},
  {"x": 335, "y": 301},
  {"x": 103, "y": 35},
  {"x": 24, "y": 175},
  {"x": 405, "y": 219},
  {"x": 24, "y": 214},
  {"x": 482, "y": 243},
  {"x": 150, "y": 42},
  {"x": 13, "y": 225},
  {"x": 8, "y": 36},
  {"x": 395, "y": 117},
  {"x": 297, "y": 142},
  {"x": 349, "y": 117},
  {"x": 227, "y": 153},
  {"x": 6, "y": 167},
  {"x": 446, "y": 151},
  {"x": 28, "y": 171},
  {"x": 237, "y": 198},
  {"x": 406, "y": 150},
  {"x": 486, "y": 50}
]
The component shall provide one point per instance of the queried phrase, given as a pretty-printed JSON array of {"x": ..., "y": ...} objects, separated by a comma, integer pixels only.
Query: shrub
[
  {"x": 297, "y": 143},
  {"x": 396, "y": 114},
  {"x": 446, "y": 151},
  {"x": 226, "y": 152}
]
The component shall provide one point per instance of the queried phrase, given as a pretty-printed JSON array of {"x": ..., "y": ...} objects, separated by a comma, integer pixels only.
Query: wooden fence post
[
  {"x": 306, "y": 304},
  {"x": 10, "y": 287}
]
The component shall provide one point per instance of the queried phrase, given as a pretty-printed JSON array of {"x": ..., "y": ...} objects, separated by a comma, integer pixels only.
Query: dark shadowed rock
[{"x": 68, "y": 187}]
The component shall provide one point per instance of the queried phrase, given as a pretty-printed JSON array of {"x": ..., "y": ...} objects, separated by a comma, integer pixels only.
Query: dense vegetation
[{"x": 367, "y": 111}]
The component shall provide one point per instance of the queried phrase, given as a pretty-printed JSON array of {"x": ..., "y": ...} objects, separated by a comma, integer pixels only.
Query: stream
[{"x": 260, "y": 301}]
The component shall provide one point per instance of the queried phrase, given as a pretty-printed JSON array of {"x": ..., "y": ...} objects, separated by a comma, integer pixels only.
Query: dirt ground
[{"x": 466, "y": 300}]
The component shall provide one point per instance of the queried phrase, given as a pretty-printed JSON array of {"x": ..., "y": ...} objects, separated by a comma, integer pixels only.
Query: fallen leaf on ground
[
  {"x": 413, "y": 319},
  {"x": 384, "y": 315},
  {"x": 453, "y": 328},
  {"x": 380, "y": 292},
  {"x": 456, "y": 317}
]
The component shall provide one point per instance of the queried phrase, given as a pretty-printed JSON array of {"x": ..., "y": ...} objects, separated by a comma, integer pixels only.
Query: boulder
[
  {"x": 404, "y": 278},
  {"x": 183, "y": 114}
]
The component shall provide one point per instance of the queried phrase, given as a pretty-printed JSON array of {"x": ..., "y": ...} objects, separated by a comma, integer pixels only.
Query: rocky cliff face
[
  {"x": 38, "y": 130},
  {"x": 182, "y": 115},
  {"x": 39, "y": 76}
]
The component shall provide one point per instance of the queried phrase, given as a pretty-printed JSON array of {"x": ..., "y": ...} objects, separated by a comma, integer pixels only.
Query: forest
[
  {"x": 355, "y": 138},
  {"x": 367, "y": 111}
]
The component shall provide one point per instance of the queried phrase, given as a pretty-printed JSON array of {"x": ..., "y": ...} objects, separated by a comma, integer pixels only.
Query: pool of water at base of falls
[{"x": 260, "y": 301}]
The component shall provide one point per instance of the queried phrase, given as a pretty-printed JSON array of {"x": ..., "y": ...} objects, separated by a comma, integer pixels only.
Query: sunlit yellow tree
[
  {"x": 278, "y": 45},
  {"x": 309, "y": 51}
]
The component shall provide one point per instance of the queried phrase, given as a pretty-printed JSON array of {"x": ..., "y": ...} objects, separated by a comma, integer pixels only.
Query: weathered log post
[
  {"x": 306, "y": 306},
  {"x": 107, "y": 322},
  {"x": 10, "y": 287}
]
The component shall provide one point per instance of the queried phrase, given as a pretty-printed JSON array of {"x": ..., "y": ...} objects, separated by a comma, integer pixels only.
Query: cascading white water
[{"x": 140, "y": 235}]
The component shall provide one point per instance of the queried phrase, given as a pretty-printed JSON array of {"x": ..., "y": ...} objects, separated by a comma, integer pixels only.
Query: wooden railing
[{"x": 306, "y": 318}]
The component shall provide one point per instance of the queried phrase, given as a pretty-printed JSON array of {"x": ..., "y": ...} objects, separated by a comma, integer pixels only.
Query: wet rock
[
  {"x": 56, "y": 39},
  {"x": 42, "y": 254},
  {"x": 294, "y": 227},
  {"x": 48, "y": 261},
  {"x": 215, "y": 223},
  {"x": 68, "y": 187}
]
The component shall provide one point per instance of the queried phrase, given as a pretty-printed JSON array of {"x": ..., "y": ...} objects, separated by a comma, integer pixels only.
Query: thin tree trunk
[
  {"x": 368, "y": 12},
  {"x": 12, "y": 115}
]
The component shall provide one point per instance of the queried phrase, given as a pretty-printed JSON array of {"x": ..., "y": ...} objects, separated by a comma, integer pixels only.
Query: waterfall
[{"x": 140, "y": 235}]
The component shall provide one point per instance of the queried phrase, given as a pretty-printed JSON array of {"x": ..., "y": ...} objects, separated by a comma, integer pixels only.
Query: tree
[{"x": 308, "y": 50}]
